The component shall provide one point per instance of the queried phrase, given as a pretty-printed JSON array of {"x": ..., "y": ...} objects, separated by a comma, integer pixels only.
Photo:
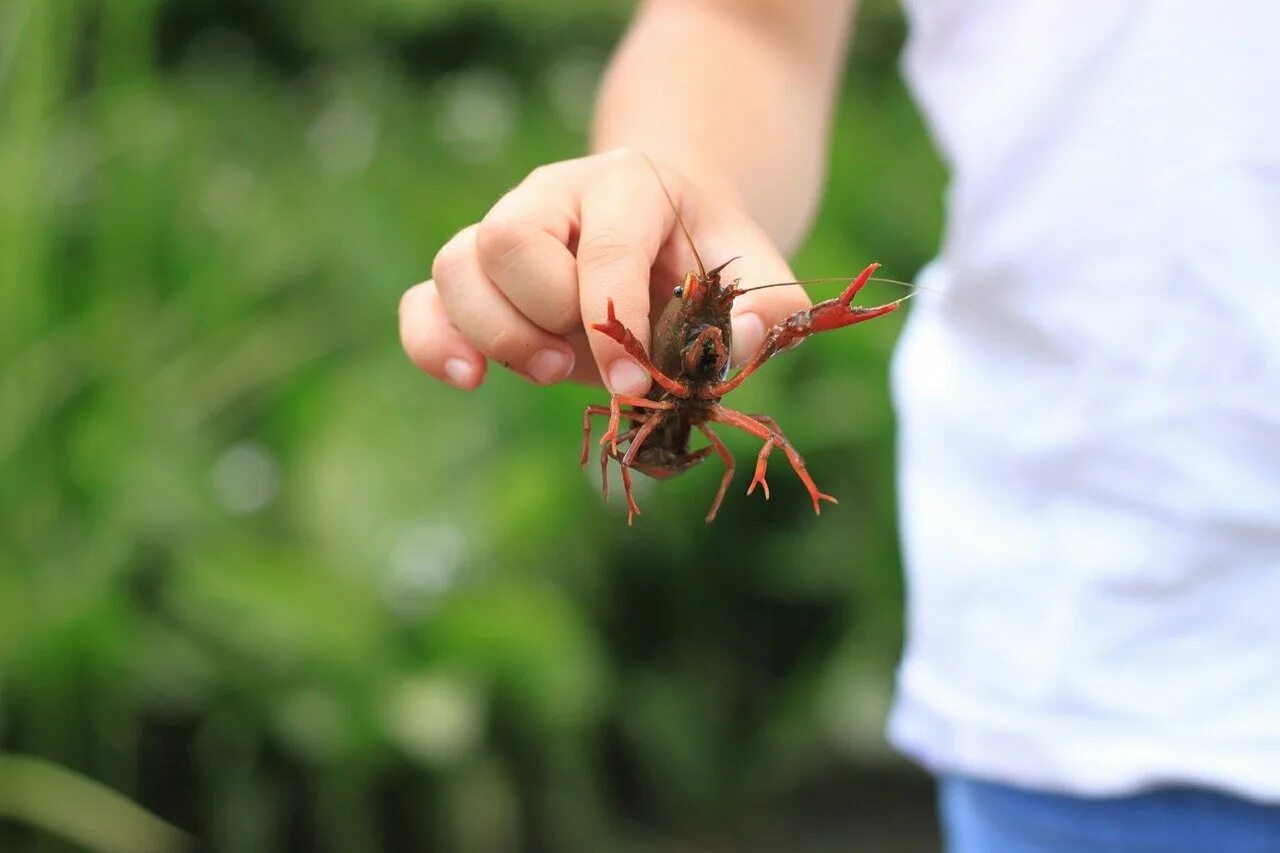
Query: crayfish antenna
[
  {"x": 834, "y": 278},
  {"x": 702, "y": 270},
  {"x": 895, "y": 303}
]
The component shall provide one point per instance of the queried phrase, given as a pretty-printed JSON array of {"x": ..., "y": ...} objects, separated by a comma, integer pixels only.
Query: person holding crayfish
[{"x": 1090, "y": 416}]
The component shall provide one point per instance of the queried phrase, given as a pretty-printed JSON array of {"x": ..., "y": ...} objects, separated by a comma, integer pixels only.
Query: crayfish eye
[{"x": 679, "y": 291}]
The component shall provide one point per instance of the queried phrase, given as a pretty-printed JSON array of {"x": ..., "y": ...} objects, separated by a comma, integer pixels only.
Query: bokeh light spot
[{"x": 246, "y": 478}]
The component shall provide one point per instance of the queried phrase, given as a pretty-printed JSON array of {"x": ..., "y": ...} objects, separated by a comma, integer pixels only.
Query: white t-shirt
[{"x": 1090, "y": 408}]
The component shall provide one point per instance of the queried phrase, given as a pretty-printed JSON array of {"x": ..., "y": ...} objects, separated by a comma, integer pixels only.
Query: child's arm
[
  {"x": 732, "y": 98},
  {"x": 738, "y": 93}
]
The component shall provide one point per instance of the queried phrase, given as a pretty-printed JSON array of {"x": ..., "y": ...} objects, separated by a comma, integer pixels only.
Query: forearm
[{"x": 738, "y": 94}]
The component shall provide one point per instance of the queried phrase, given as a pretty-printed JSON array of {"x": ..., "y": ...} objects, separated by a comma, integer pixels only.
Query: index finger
[{"x": 624, "y": 220}]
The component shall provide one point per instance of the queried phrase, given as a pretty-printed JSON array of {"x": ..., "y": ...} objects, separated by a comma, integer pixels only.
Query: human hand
[{"x": 521, "y": 286}]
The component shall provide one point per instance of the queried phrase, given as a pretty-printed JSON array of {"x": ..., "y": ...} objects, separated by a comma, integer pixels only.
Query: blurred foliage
[{"x": 260, "y": 576}]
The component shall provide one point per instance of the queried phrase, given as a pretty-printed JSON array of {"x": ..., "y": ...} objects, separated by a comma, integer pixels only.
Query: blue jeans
[{"x": 985, "y": 817}]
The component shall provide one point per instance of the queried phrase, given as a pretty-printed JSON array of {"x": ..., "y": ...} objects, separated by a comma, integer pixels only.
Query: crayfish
[{"x": 690, "y": 370}]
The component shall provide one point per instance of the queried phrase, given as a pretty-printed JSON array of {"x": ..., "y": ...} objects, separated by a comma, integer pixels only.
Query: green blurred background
[{"x": 264, "y": 579}]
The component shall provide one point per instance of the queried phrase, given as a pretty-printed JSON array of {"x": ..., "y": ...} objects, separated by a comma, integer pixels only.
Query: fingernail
[
  {"x": 748, "y": 335},
  {"x": 625, "y": 376},
  {"x": 460, "y": 373},
  {"x": 550, "y": 365}
]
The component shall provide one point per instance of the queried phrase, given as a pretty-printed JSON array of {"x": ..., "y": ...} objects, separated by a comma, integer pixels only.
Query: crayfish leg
[
  {"x": 615, "y": 413},
  {"x": 762, "y": 465},
  {"x": 762, "y": 461},
  {"x": 606, "y": 453},
  {"x": 586, "y": 428},
  {"x": 754, "y": 426},
  {"x": 646, "y": 429},
  {"x": 727, "y": 458}
]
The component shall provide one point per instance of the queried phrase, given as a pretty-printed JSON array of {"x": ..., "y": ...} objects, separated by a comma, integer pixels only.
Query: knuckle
[
  {"x": 605, "y": 250},
  {"x": 640, "y": 167},
  {"x": 627, "y": 164},
  {"x": 561, "y": 318},
  {"x": 452, "y": 255},
  {"x": 627, "y": 154},
  {"x": 501, "y": 238},
  {"x": 507, "y": 347},
  {"x": 541, "y": 174}
]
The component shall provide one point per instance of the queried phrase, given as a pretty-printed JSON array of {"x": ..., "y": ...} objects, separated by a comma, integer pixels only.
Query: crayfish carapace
[{"x": 690, "y": 368}]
